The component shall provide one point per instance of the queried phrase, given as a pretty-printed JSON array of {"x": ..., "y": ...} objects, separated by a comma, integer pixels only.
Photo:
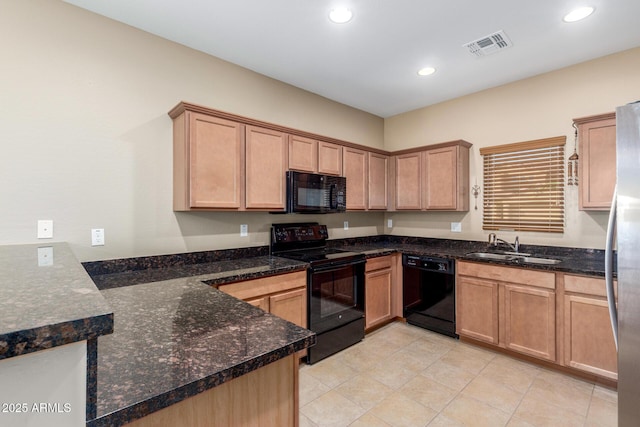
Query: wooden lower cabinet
[
  {"x": 530, "y": 321},
  {"x": 291, "y": 306},
  {"x": 556, "y": 317},
  {"x": 513, "y": 308},
  {"x": 284, "y": 295},
  {"x": 265, "y": 397},
  {"x": 588, "y": 336},
  {"x": 382, "y": 290},
  {"x": 477, "y": 309}
]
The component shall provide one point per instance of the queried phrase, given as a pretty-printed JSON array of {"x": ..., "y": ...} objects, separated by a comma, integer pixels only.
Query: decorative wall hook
[
  {"x": 475, "y": 190},
  {"x": 572, "y": 163}
]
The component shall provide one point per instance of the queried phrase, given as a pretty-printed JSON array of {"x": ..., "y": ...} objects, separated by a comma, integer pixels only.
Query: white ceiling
[{"x": 371, "y": 62}]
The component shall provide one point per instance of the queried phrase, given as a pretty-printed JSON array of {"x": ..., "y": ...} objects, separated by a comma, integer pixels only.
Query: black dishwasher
[{"x": 429, "y": 293}]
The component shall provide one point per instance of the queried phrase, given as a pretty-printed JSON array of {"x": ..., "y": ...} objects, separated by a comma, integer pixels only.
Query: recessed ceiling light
[
  {"x": 426, "y": 71},
  {"x": 340, "y": 15},
  {"x": 578, "y": 14}
]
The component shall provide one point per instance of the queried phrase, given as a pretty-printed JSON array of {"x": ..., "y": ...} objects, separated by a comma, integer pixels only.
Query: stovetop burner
[{"x": 314, "y": 255}]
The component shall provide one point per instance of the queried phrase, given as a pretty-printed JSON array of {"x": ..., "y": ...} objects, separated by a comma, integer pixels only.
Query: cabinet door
[
  {"x": 440, "y": 179},
  {"x": 597, "y": 164},
  {"x": 262, "y": 302},
  {"x": 215, "y": 147},
  {"x": 329, "y": 158},
  {"x": 303, "y": 154},
  {"x": 355, "y": 170},
  {"x": 588, "y": 337},
  {"x": 477, "y": 309},
  {"x": 378, "y": 168},
  {"x": 265, "y": 166},
  {"x": 377, "y": 297},
  {"x": 291, "y": 306},
  {"x": 530, "y": 321},
  {"x": 407, "y": 181}
]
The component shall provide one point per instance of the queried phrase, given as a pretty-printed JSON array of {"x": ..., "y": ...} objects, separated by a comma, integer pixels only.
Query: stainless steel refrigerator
[{"x": 624, "y": 226}]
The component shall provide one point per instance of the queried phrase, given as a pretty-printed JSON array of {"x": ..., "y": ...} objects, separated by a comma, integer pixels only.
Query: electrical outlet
[
  {"x": 45, "y": 256},
  {"x": 456, "y": 227},
  {"x": 45, "y": 229},
  {"x": 346, "y": 225},
  {"x": 97, "y": 237},
  {"x": 244, "y": 230},
  {"x": 389, "y": 223}
]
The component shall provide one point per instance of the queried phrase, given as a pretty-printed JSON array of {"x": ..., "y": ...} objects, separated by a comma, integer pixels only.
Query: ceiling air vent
[{"x": 489, "y": 44}]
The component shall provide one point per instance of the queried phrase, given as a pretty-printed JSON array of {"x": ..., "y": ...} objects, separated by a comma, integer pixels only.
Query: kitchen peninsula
[{"x": 177, "y": 344}]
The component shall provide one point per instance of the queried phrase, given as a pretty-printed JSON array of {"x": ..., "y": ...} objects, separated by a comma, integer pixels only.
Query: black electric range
[{"x": 335, "y": 282}]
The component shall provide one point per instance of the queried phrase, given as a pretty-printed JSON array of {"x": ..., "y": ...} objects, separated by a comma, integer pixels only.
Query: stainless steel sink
[
  {"x": 490, "y": 255},
  {"x": 523, "y": 258},
  {"x": 534, "y": 260}
]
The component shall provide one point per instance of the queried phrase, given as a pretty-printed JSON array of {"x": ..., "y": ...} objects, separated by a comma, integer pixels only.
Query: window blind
[{"x": 524, "y": 186}]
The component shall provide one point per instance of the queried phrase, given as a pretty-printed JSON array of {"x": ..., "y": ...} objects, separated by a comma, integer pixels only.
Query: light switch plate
[
  {"x": 244, "y": 230},
  {"x": 45, "y": 229},
  {"x": 45, "y": 256},
  {"x": 346, "y": 225},
  {"x": 456, "y": 227},
  {"x": 389, "y": 223}
]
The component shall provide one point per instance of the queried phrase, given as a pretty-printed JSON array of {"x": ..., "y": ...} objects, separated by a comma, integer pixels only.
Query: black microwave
[{"x": 314, "y": 193}]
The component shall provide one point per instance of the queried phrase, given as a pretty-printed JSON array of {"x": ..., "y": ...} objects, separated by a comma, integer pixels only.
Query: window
[{"x": 524, "y": 186}]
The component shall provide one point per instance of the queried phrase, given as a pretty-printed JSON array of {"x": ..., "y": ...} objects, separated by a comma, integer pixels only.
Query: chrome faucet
[{"x": 493, "y": 241}]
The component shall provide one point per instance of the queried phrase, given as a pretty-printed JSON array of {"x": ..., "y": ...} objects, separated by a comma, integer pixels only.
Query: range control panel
[{"x": 306, "y": 232}]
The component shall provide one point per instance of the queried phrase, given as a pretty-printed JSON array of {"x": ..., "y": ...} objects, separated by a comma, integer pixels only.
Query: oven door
[{"x": 336, "y": 295}]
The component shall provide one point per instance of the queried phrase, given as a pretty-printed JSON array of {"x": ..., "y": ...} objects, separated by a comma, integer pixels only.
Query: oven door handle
[{"x": 335, "y": 266}]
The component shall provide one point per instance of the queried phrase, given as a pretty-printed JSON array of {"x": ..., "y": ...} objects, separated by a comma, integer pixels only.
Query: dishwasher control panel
[{"x": 441, "y": 265}]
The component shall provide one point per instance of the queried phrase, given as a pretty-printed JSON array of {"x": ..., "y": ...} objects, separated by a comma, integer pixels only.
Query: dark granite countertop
[
  {"x": 572, "y": 260},
  {"x": 43, "y": 306},
  {"x": 176, "y": 338},
  {"x": 213, "y": 272},
  {"x": 176, "y": 335}
]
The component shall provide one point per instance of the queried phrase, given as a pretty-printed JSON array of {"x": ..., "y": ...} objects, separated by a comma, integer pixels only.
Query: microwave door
[{"x": 333, "y": 197}]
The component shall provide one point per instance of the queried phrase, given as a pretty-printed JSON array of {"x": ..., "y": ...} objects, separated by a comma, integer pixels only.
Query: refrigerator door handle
[{"x": 608, "y": 267}]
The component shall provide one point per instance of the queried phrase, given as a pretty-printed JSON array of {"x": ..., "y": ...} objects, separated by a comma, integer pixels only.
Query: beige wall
[
  {"x": 86, "y": 139},
  {"x": 538, "y": 107}
]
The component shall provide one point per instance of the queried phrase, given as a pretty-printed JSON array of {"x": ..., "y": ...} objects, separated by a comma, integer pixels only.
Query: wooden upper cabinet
[
  {"x": 310, "y": 155},
  {"x": 207, "y": 162},
  {"x": 446, "y": 179},
  {"x": 265, "y": 166},
  {"x": 408, "y": 181},
  {"x": 597, "y": 163},
  {"x": 303, "y": 154},
  {"x": 378, "y": 181},
  {"x": 329, "y": 158},
  {"x": 355, "y": 170},
  {"x": 434, "y": 178}
]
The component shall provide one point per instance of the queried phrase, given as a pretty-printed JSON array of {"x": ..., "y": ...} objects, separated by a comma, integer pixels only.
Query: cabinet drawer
[
  {"x": 378, "y": 263},
  {"x": 587, "y": 285},
  {"x": 266, "y": 285},
  {"x": 542, "y": 279}
]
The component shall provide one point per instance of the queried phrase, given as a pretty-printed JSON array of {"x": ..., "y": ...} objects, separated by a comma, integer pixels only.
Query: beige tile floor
[{"x": 401, "y": 375}]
